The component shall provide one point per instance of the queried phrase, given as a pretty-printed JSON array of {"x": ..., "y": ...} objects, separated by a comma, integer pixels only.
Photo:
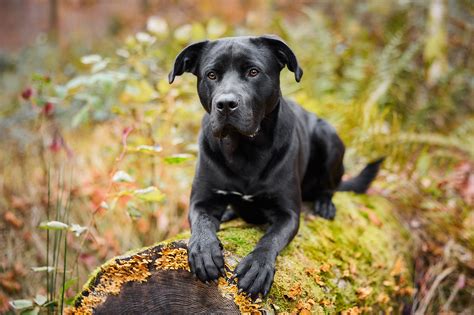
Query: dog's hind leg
[{"x": 324, "y": 171}]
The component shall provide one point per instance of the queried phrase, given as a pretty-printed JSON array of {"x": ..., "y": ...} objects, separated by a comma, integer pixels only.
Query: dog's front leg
[
  {"x": 255, "y": 272},
  {"x": 205, "y": 249}
]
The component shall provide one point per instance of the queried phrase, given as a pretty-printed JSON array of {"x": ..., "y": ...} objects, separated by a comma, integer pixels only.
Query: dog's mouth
[
  {"x": 230, "y": 129},
  {"x": 255, "y": 133}
]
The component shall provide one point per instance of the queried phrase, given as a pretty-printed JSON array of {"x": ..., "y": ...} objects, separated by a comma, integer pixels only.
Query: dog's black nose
[{"x": 227, "y": 103}]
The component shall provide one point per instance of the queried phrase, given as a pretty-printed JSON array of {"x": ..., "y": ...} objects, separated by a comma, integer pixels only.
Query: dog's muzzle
[
  {"x": 226, "y": 103},
  {"x": 229, "y": 115}
]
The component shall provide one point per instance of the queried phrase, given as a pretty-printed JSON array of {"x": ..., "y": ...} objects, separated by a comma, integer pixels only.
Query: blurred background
[{"x": 97, "y": 150}]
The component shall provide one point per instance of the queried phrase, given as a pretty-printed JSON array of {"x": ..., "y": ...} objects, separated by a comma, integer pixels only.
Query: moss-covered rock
[{"x": 356, "y": 263}]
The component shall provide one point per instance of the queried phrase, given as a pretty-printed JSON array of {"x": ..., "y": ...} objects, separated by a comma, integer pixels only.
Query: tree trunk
[{"x": 356, "y": 263}]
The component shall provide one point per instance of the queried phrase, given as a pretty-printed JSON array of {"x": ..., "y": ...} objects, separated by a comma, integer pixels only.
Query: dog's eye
[
  {"x": 253, "y": 72},
  {"x": 212, "y": 75}
]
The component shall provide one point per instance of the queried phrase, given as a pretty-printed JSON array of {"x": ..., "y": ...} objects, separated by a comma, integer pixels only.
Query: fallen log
[{"x": 357, "y": 263}]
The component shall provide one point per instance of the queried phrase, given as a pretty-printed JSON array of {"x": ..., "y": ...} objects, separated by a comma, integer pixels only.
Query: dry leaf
[
  {"x": 13, "y": 220},
  {"x": 19, "y": 203},
  {"x": 363, "y": 293},
  {"x": 374, "y": 218},
  {"x": 353, "y": 268},
  {"x": 463, "y": 181},
  {"x": 379, "y": 265},
  {"x": 4, "y": 305},
  {"x": 398, "y": 267},
  {"x": 407, "y": 291},
  {"x": 10, "y": 285},
  {"x": 383, "y": 298},
  {"x": 19, "y": 269}
]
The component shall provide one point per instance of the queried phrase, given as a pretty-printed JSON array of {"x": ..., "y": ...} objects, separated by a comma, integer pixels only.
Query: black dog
[{"x": 260, "y": 155}]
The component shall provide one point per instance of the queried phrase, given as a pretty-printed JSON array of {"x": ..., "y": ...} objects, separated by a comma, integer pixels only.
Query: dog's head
[{"x": 238, "y": 79}]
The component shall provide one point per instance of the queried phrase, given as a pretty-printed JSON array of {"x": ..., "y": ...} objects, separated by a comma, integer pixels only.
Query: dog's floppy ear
[
  {"x": 186, "y": 60},
  {"x": 284, "y": 53}
]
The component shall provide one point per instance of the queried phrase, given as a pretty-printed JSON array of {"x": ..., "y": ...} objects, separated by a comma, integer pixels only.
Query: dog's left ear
[
  {"x": 186, "y": 60},
  {"x": 284, "y": 53}
]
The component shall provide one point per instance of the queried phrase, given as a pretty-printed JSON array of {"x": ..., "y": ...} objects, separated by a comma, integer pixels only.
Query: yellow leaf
[{"x": 138, "y": 92}]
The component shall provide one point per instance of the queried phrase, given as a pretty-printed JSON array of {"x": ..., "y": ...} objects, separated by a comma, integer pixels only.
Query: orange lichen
[
  {"x": 314, "y": 273},
  {"x": 110, "y": 279},
  {"x": 113, "y": 275},
  {"x": 173, "y": 259},
  {"x": 303, "y": 307},
  {"x": 294, "y": 292},
  {"x": 242, "y": 300},
  {"x": 352, "y": 311}
]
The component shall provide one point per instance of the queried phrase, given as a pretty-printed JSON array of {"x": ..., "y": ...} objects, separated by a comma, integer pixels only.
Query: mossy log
[{"x": 357, "y": 263}]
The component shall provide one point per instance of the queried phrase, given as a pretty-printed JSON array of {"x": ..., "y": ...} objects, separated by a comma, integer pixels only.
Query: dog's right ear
[
  {"x": 284, "y": 54},
  {"x": 186, "y": 60}
]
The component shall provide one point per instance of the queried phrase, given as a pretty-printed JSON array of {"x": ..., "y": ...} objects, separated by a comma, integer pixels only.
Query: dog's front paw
[
  {"x": 255, "y": 274},
  {"x": 325, "y": 208},
  {"x": 205, "y": 257}
]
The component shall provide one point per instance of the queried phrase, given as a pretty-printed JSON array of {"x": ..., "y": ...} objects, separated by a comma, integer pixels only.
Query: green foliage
[{"x": 386, "y": 73}]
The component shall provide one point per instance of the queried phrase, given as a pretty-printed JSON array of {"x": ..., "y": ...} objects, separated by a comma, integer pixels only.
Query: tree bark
[{"x": 354, "y": 264}]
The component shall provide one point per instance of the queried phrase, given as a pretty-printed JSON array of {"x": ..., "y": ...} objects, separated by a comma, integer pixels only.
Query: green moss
[
  {"x": 365, "y": 237},
  {"x": 240, "y": 239},
  {"x": 332, "y": 261}
]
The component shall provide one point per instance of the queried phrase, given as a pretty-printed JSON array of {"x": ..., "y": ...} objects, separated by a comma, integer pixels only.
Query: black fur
[
  {"x": 260, "y": 155},
  {"x": 361, "y": 182}
]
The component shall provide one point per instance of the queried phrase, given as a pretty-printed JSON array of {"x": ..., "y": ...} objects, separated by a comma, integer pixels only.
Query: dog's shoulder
[{"x": 300, "y": 114}]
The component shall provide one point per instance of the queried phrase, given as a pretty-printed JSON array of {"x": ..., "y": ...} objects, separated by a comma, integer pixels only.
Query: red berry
[
  {"x": 48, "y": 109},
  {"x": 26, "y": 94}
]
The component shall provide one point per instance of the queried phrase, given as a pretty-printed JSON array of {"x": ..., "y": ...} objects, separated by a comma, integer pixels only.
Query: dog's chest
[
  {"x": 251, "y": 208},
  {"x": 235, "y": 195}
]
